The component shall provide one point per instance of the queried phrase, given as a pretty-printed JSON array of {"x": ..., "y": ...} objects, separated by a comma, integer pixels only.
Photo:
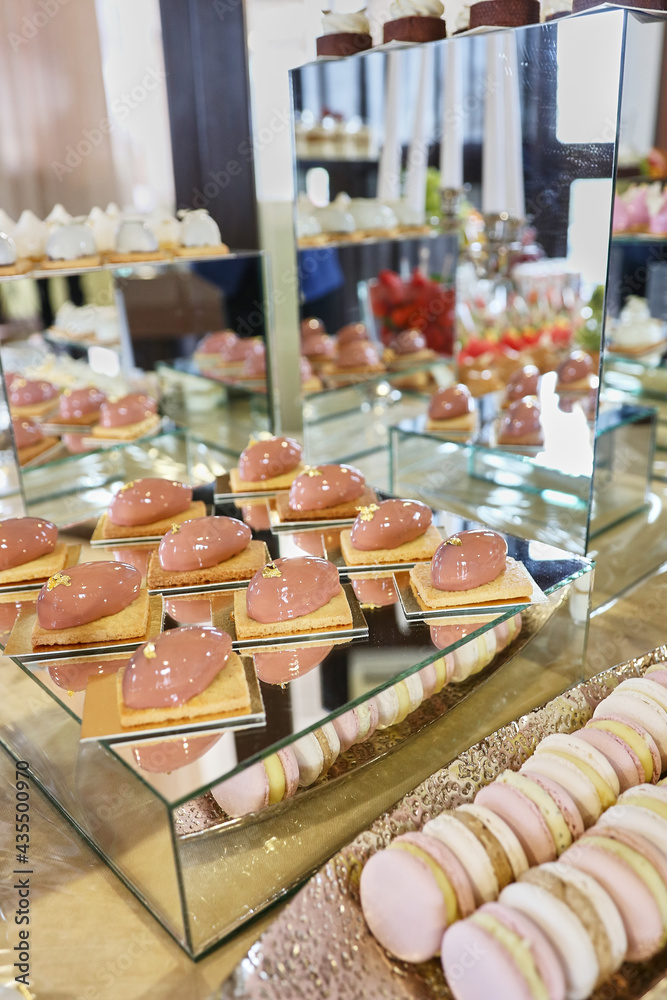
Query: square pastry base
[
  {"x": 108, "y": 533},
  {"x": 419, "y": 550},
  {"x": 243, "y": 486},
  {"x": 341, "y": 617},
  {"x": 286, "y": 519},
  {"x": 113, "y": 637},
  {"x": 515, "y": 588},
  {"x": 129, "y": 432},
  {"x": 102, "y": 712},
  {"x": 226, "y": 574},
  {"x": 34, "y": 574}
]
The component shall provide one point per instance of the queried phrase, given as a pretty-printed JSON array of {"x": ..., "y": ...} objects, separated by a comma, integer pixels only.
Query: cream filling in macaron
[
  {"x": 276, "y": 776},
  {"x": 606, "y": 796},
  {"x": 553, "y": 817},
  {"x": 443, "y": 883},
  {"x": 629, "y": 736},
  {"x": 641, "y": 867},
  {"x": 518, "y": 948},
  {"x": 467, "y": 848}
]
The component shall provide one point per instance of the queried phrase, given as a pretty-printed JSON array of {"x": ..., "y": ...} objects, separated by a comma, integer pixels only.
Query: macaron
[
  {"x": 523, "y": 817},
  {"x": 501, "y": 953},
  {"x": 647, "y": 685},
  {"x": 455, "y": 833},
  {"x": 563, "y": 929},
  {"x": 503, "y": 834},
  {"x": 554, "y": 818},
  {"x": 589, "y": 760},
  {"x": 653, "y": 797},
  {"x": 327, "y": 737},
  {"x": 563, "y": 800},
  {"x": 395, "y": 703},
  {"x": 468, "y": 660},
  {"x": 492, "y": 846},
  {"x": 309, "y": 757},
  {"x": 502, "y": 631},
  {"x": 633, "y": 884},
  {"x": 640, "y": 742},
  {"x": 658, "y": 673},
  {"x": 566, "y": 773},
  {"x": 637, "y": 819},
  {"x": 262, "y": 784},
  {"x": 411, "y": 892},
  {"x": 637, "y": 706},
  {"x": 596, "y": 910},
  {"x": 357, "y": 724},
  {"x": 625, "y": 762}
]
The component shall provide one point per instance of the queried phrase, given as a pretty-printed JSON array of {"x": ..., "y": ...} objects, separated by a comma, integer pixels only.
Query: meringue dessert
[
  {"x": 290, "y": 596},
  {"x": 185, "y": 673},
  {"x": 30, "y": 440},
  {"x": 128, "y": 418},
  {"x": 91, "y": 602},
  {"x": 144, "y": 508},
  {"x": 203, "y": 551},
  {"x": 70, "y": 245},
  {"x": 344, "y": 34},
  {"x": 30, "y": 235},
  {"x": 325, "y": 492},
  {"x": 199, "y": 235},
  {"x": 470, "y": 567},
  {"x": 9, "y": 260},
  {"x": 271, "y": 463},
  {"x": 636, "y": 331},
  {"x": 575, "y": 373},
  {"x": 394, "y": 531},
  {"x": 415, "y": 21},
  {"x": 31, "y": 398},
  {"x": 29, "y": 550},
  {"x": 452, "y": 411},
  {"x": 136, "y": 241},
  {"x": 521, "y": 424}
]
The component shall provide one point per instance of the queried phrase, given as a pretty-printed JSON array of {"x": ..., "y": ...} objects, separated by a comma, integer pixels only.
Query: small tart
[
  {"x": 127, "y": 432},
  {"x": 282, "y": 482},
  {"x": 419, "y": 549},
  {"x": 33, "y": 451},
  {"x": 130, "y": 623},
  {"x": 107, "y": 529},
  {"x": 239, "y": 567},
  {"x": 338, "y": 511},
  {"x": 334, "y": 614},
  {"x": 514, "y": 583},
  {"x": 37, "y": 569}
]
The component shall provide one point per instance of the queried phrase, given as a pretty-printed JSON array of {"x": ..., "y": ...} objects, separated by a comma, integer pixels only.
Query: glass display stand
[{"x": 201, "y": 874}]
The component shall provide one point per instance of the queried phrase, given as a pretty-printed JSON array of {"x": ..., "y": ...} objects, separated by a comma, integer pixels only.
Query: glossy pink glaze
[
  {"x": 522, "y": 418},
  {"x": 170, "y": 755},
  {"x": 26, "y": 432},
  {"x": 451, "y": 402},
  {"x": 203, "y": 542},
  {"x": 525, "y": 382},
  {"x": 480, "y": 558},
  {"x": 146, "y": 500},
  {"x": 266, "y": 459},
  {"x": 257, "y": 515},
  {"x": 78, "y": 444},
  {"x": 575, "y": 367},
  {"x": 409, "y": 342},
  {"x": 381, "y": 592},
  {"x": 318, "y": 346},
  {"x": 279, "y": 666},
  {"x": 352, "y": 333},
  {"x": 178, "y": 665},
  {"x": 134, "y": 555},
  {"x": 75, "y": 676},
  {"x": 357, "y": 354},
  {"x": 394, "y": 523},
  {"x": 25, "y": 538},
  {"x": 223, "y": 343},
  {"x": 25, "y": 393},
  {"x": 130, "y": 409},
  {"x": 186, "y": 611},
  {"x": 304, "y": 585},
  {"x": 326, "y": 486},
  {"x": 94, "y": 590},
  {"x": 80, "y": 402},
  {"x": 443, "y": 636},
  {"x": 254, "y": 364}
]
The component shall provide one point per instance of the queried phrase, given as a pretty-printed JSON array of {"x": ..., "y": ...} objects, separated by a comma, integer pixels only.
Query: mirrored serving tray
[{"x": 415, "y": 610}]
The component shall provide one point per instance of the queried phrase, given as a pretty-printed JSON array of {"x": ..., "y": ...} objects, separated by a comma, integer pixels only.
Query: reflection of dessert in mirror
[
  {"x": 135, "y": 555},
  {"x": 149, "y": 507},
  {"x": 325, "y": 492},
  {"x": 73, "y": 676},
  {"x": 451, "y": 411},
  {"x": 316, "y": 345},
  {"x": 311, "y": 543},
  {"x": 206, "y": 550},
  {"x": 223, "y": 349},
  {"x": 10, "y": 608},
  {"x": 525, "y": 382},
  {"x": 92, "y": 602},
  {"x": 186, "y": 673},
  {"x": 256, "y": 514},
  {"x": 265, "y": 783},
  {"x": 171, "y": 755},
  {"x": 29, "y": 550},
  {"x": 128, "y": 418},
  {"x": 395, "y": 703},
  {"x": 79, "y": 406},
  {"x": 575, "y": 373},
  {"x": 521, "y": 423},
  {"x": 504, "y": 13},
  {"x": 279, "y": 666},
  {"x": 189, "y": 610},
  {"x": 394, "y": 531},
  {"x": 309, "y": 380},
  {"x": 254, "y": 364},
  {"x": 199, "y": 235},
  {"x": 357, "y": 724},
  {"x": 71, "y": 245},
  {"x": 316, "y": 752},
  {"x": 288, "y": 596},
  {"x": 29, "y": 440},
  {"x": 344, "y": 34},
  {"x": 470, "y": 568},
  {"x": 31, "y": 398},
  {"x": 635, "y": 331},
  {"x": 269, "y": 463},
  {"x": 376, "y": 591},
  {"x": 415, "y": 21},
  {"x": 408, "y": 348},
  {"x": 358, "y": 357},
  {"x": 78, "y": 444}
]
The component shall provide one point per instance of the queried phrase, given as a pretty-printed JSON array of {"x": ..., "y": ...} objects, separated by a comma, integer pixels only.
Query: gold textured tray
[{"x": 319, "y": 945}]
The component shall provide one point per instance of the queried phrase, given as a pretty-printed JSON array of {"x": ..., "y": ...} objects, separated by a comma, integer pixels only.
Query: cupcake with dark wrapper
[
  {"x": 504, "y": 13},
  {"x": 415, "y": 21},
  {"x": 344, "y": 34}
]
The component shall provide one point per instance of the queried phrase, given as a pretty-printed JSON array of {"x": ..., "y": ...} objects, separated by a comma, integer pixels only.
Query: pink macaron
[
  {"x": 620, "y": 755},
  {"x": 523, "y": 817},
  {"x": 249, "y": 790},
  {"x": 357, "y": 724},
  {"x": 608, "y": 715},
  {"x": 563, "y": 800}
]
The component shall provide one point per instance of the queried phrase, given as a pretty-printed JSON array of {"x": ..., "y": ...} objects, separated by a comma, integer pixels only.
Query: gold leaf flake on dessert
[
  {"x": 453, "y": 541},
  {"x": 271, "y": 570},
  {"x": 175, "y": 528},
  {"x": 367, "y": 513},
  {"x": 57, "y": 580},
  {"x": 127, "y": 486},
  {"x": 19, "y": 383},
  {"x": 310, "y": 471},
  {"x": 67, "y": 392},
  {"x": 149, "y": 651},
  {"x": 70, "y": 694}
]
